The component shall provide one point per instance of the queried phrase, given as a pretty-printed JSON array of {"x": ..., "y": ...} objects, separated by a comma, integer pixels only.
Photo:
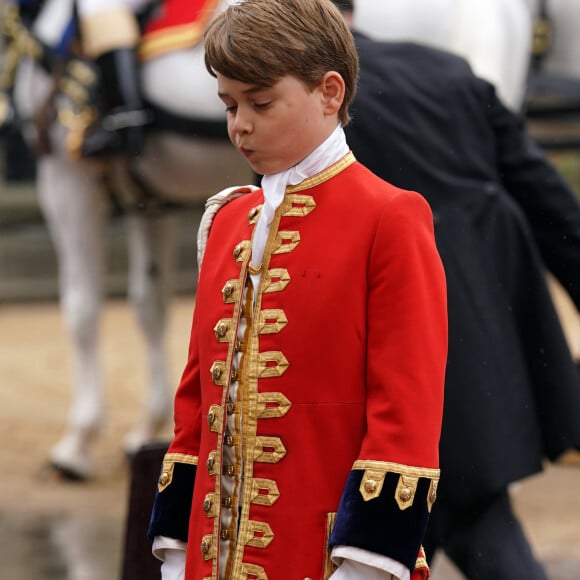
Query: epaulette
[{"x": 212, "y": 206}]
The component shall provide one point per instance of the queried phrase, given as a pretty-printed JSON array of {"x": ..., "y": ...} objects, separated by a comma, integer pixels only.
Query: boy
[{"x": 308, "y": 415}]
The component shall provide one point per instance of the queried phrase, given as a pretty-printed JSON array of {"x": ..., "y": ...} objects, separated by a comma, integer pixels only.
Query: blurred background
[{"x": 54, "y": 528}]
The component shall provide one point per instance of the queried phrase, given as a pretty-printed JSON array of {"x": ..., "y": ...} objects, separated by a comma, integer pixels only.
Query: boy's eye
[
  {"x": 262, "y": 104},
  {"x": 231, "y": 108}
]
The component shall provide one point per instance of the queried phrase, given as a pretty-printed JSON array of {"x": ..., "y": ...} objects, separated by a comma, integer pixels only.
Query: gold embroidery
[
  {"x": 242, "y": 251},
  {"x": 259, "y": 535},
  {"x": 232, "y": 291},
  {"x": 325, "y": 175},
  {"x": 272, "y": 405},
  {"x": 329, "y": 566},
  {"x": 432, "y": 495},
  {"x": 218, "y": 373},
  {"x": 376, "y": 471},
  {"x": 254, "y": 270},
  {"x": 266, "y": 368},
  {"x": 275, "y": 280},
  {"x": 371, "y": 484},
  {"x": 210, "y": 505},
  {"x": 271, "y": 321},
  {"x": 253, "y": 572},
  {"x": 427, "y": 472},
  {"x": 214, "y": 418},
  {"x": 169, "y": 461},
  {"x": 253, "y": 214},
  {"x": 296, "y": 205},
  {"x": 269, "y": 449},
  {"x": 405, "y": 491},
  {"x": 421, "y": 563},
  {"x": 212, "y": 464},
  {"x": 286, "y": 242},
  {"x": 207, "y": 547},
  {"x": 259, "y": 486},
  {"x": 224, "y": 330}
]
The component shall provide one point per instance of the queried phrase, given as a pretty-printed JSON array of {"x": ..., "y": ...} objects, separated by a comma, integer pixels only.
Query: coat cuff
[
  {"x": 385, "y": 509},
  {"x": 172, "y": 506}
]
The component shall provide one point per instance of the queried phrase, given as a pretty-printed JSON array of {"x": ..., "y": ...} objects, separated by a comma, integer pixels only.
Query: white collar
[{"x": 274, "y": 186}]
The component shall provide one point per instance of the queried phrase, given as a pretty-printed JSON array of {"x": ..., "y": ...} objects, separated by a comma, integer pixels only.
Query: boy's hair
[{"x": 260, "y": 41}]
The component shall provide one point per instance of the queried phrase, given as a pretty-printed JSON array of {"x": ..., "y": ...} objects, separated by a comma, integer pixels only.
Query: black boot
[{"x": 120, "y": 128}]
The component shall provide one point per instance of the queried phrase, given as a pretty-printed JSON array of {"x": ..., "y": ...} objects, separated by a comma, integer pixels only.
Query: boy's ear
[{"x": 332, "y": 88}]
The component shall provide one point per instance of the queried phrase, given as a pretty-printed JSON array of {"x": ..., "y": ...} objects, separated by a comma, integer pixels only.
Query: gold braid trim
[
  {"x": 375, "y": 473},
  {"x": 169, "y": 462}
]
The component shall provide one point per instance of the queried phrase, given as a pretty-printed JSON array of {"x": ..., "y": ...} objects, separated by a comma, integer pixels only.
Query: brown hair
[{"x": 260, "y": 41}]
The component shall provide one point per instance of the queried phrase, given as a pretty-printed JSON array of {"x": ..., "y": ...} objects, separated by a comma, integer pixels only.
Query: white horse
[
  {"x": 495, "y": 38},
  {"x": 74, "y": 201}
]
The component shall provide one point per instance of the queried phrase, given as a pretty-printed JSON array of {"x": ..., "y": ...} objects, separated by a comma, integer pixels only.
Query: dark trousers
[{"x": 483, "y": 539}]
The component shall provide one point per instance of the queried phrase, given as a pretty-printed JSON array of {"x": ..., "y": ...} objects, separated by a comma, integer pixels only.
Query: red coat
[
  {"x": 178, "y": 24},
  {"x": 340, "y": 388}
]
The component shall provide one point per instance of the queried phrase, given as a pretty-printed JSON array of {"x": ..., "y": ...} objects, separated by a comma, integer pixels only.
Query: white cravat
[{"x": 274, "y": 186}]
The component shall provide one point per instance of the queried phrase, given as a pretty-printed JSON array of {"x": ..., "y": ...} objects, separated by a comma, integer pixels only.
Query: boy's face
[{"x": 277, "y": 127}]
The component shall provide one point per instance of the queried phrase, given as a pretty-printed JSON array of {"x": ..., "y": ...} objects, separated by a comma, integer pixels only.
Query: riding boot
[{"x": 120, "y": 127}]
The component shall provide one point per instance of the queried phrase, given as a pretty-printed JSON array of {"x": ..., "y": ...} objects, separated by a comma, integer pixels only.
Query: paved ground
[{"x": 54, "y": 530}]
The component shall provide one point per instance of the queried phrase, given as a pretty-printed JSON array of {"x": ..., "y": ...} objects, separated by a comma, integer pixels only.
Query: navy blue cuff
[
  {"x": 380, "y": 525},
  {"x": 172, "y": 507}
]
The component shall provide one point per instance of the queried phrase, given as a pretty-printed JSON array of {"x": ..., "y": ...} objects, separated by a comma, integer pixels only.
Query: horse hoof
[
  {"x": 62, "y": 473},
  {"x": 71, "y": 459}
]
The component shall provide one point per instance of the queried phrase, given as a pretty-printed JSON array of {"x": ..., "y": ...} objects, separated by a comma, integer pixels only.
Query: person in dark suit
[{"x": 423, "y": 121}]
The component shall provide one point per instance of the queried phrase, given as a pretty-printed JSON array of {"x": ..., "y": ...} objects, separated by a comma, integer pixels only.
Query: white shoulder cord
[{"x": 212, "y": 206}]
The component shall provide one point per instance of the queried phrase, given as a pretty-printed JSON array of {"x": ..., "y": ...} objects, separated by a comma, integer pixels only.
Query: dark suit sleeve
[{"x": 540, "y": 191}]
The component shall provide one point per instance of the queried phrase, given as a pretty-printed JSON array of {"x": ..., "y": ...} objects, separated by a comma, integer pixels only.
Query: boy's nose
[{"x": 241, "y": 123}]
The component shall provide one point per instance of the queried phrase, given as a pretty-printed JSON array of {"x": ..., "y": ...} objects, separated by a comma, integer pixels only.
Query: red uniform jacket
[
  {"x": 178, "y": 24},
  {"x": 340, "y": 386}
]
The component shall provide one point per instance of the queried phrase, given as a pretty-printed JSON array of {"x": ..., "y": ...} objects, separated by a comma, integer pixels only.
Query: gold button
[
  {"x": 239, "y": 345},
  {"x": 227, "y": 501},
  {"x": 253, "y": 213},
  {"x": 229, "y": 440},
  {"x": 207, "y": 503},
  {"x": 228, "y": 291},
  {"x": 237, "y": 251},
  {"x": 216, "y": 373},
  {"x": 234, "y": 375},
  {"x": 231, "y": 407},
  {"x": 221, "y": 330},
  {"x": 228, "y": 470},
  {"x": 210, "y": 462},
  {"x": 405, "y": 494},
  {"x": 225, "y": 535},
  {"x": 370, "y": 486},
  {"x": 211, "y": 417},
  {"x": 164, "y": 478},
  {"x": 205, "y": 546}
]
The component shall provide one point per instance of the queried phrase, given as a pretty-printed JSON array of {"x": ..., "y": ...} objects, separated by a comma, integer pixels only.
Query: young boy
[{"x": 308, "y": 415}]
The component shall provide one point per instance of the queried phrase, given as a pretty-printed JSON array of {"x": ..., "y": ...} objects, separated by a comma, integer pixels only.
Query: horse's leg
[
  {"x": 152, "y": 242},
  {"x": 74, "y": 208}
]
